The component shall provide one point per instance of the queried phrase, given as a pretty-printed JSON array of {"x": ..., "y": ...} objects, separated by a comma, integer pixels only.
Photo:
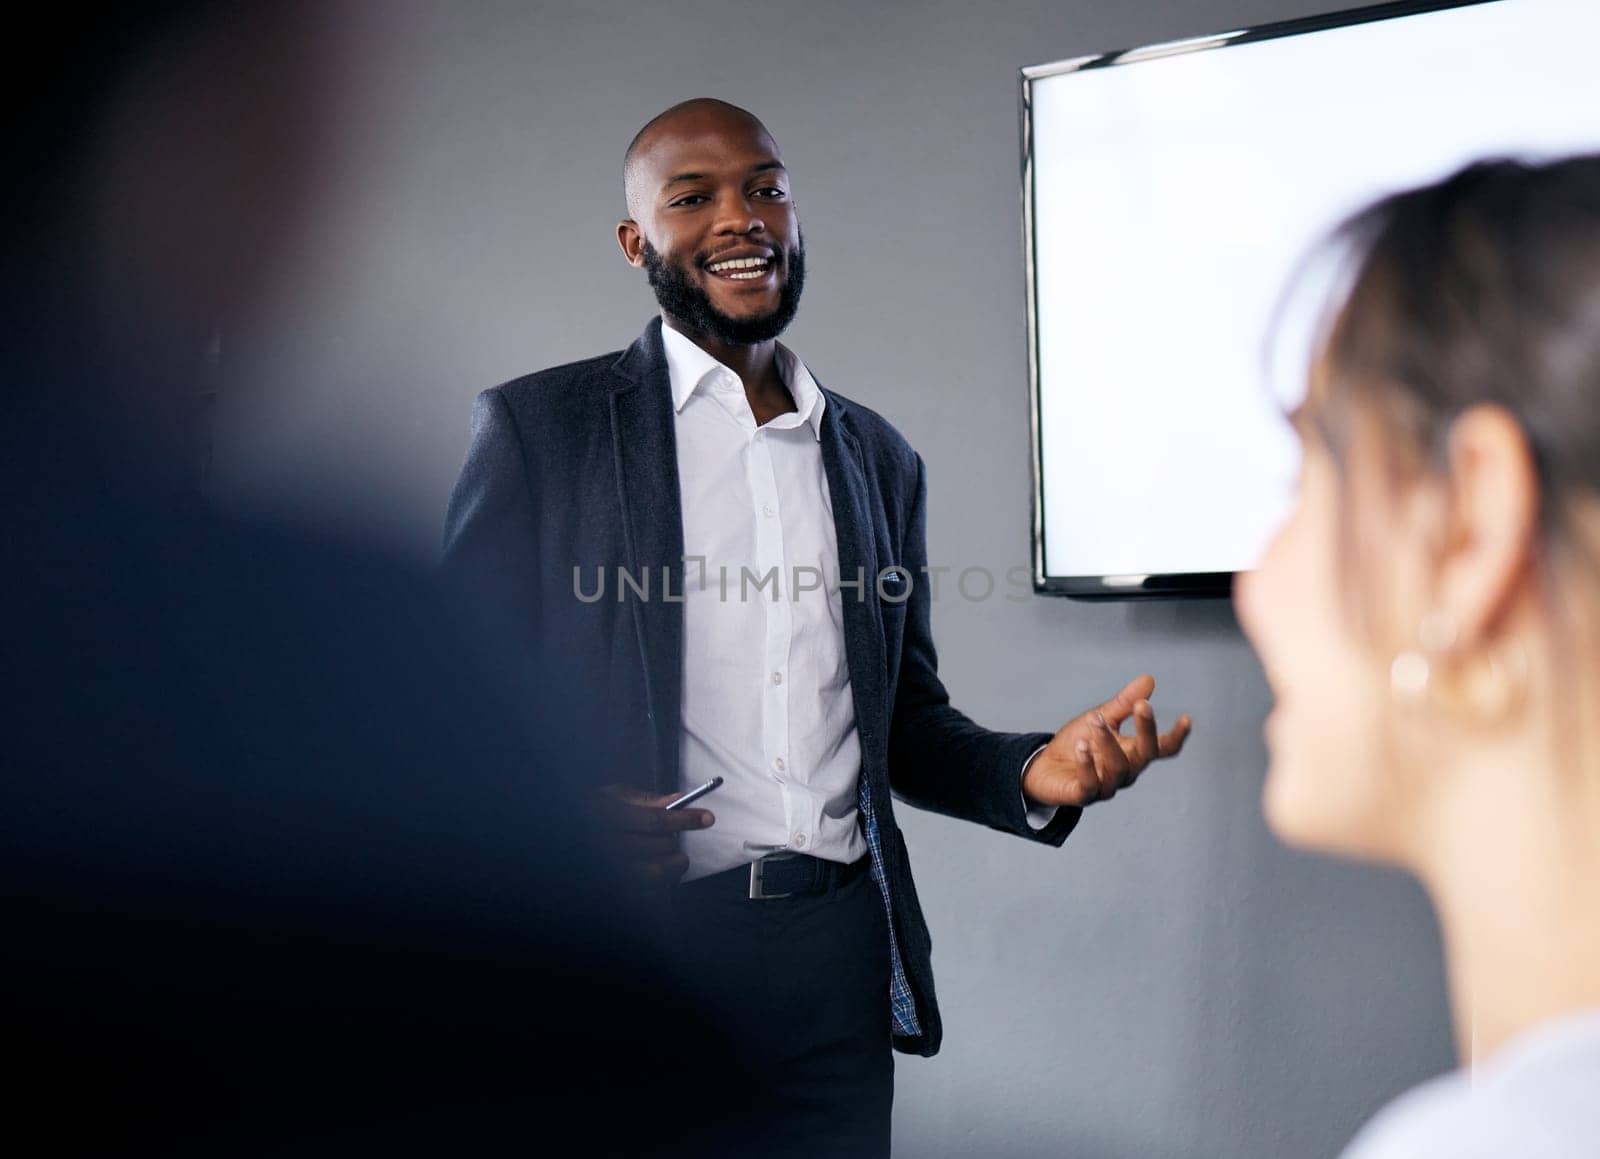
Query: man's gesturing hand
[
  {"x": 646, "y": 834},
  {"x": 1089, "y": 759}
]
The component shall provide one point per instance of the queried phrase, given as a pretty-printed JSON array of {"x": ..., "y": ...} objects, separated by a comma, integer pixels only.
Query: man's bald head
[{"x": 690, "y": 118}]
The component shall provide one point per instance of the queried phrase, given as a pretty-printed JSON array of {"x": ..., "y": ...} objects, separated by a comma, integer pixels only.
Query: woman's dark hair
[{"x": 1483, "y": 288}]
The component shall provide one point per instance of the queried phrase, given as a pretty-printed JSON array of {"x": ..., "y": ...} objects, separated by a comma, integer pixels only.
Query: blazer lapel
[
  {"x": 863, "y": 634},
  {"x": 652, "y": 523}
]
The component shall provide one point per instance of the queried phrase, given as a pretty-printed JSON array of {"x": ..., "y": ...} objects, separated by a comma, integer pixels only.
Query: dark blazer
[{"x": 576, "y": 468}]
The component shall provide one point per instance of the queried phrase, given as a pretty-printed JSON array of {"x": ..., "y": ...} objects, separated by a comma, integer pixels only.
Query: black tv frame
[{"x": 1170, "y": 585}]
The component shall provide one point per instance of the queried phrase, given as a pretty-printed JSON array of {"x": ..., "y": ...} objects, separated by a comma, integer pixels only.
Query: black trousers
[{"x": 803, "y": 983}]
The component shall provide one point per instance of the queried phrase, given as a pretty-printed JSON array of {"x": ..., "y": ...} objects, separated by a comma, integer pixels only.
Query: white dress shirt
[
  {"x": 1537, "y": 1097},
  {"x": 766, "y": 686}
]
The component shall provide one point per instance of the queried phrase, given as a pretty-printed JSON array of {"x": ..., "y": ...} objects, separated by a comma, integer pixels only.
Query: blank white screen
[{"x": 1172, "y": 199}]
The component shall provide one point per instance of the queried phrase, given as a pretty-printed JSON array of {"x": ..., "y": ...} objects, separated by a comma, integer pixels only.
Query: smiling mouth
[{"x": 741, "y": 269}]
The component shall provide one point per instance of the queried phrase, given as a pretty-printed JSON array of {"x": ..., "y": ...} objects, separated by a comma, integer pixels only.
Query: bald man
[{"x": 729, "y": 559}]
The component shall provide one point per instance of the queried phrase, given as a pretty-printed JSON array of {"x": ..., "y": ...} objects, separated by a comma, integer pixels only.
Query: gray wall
[{"x": 1171, "y": 983}]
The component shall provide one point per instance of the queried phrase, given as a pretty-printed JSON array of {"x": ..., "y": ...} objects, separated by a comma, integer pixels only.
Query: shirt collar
[{"x": 688, "y": 366}]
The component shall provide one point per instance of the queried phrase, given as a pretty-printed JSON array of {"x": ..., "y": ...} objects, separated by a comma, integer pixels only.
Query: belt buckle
[{"x": 758, "y": 890}]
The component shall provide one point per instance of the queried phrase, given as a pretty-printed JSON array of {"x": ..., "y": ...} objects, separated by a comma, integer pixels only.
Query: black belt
[{"x": 779, "y": 875}]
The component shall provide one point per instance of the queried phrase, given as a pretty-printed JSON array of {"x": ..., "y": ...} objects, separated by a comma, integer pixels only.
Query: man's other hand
[
  {"x": 1089, "y": 759},
  {"x": 646, "y": 833}
]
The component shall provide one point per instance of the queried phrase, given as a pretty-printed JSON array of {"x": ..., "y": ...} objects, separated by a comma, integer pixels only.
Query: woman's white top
[{"x": 1538, "y": 1097}]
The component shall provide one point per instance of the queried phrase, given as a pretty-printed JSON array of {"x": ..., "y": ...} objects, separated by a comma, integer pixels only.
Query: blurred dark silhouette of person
[
  {"x": 1429, "y": 621},
  {"x": 288, "y": 860}
]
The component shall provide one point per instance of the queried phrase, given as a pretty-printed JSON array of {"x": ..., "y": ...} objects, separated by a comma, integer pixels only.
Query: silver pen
[{"x": 694, "y": 794}]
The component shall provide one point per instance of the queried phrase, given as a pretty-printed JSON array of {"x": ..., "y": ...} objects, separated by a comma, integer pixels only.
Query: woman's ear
[{"x": 1492, "y": 521}]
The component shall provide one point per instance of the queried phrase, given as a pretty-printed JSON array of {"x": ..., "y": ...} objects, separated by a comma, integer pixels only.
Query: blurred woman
[{"x": 1429, "y": 621}]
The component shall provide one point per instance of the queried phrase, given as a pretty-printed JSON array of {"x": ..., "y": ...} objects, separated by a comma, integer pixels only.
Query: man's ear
[{"x": 631, "y": 239}]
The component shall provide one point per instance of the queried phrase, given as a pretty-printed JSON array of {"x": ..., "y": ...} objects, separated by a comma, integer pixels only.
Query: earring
[
  {"x": 1411, "y": 670},
  {"x": 1493, "y": 693},
  {"x": 1437, "y": 632},
  {"x": 1409, "y": 674}
]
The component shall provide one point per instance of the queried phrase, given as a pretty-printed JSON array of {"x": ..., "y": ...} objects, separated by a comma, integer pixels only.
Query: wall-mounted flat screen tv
[{"x": 1169, "y": 193}]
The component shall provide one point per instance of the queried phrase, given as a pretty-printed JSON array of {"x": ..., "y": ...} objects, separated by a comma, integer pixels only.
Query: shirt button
[
  {"x": 768, "y": 510},
  {"x": 777, "y": 677},
  {"x": 800, "y": 840},
  {"x": 778, "y": 764}
]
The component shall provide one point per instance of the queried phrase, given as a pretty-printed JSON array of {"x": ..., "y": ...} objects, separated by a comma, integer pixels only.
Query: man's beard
[{"x": 691, "y": 305}]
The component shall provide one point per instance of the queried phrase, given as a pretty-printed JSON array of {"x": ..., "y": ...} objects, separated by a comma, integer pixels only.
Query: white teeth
[{"x": 739, "y": 264}]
